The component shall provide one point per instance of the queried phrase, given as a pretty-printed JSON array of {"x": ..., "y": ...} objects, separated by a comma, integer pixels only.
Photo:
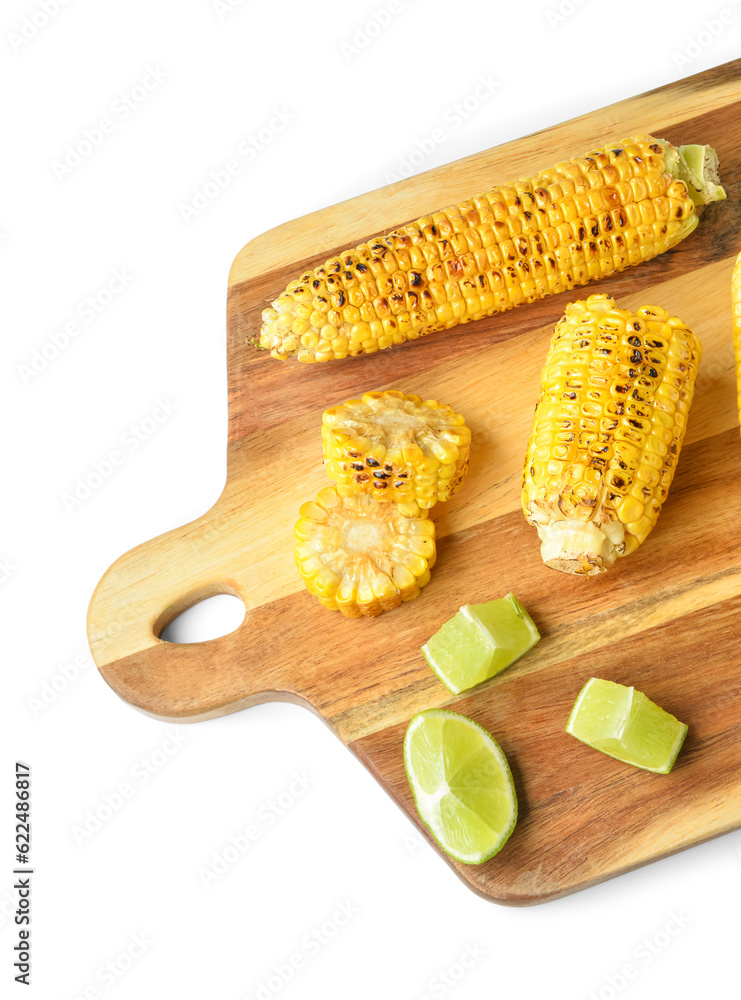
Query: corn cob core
[
  {"x": 736, "y": 320},
  {"x": 608, "y": 427},
  {"x": 570, "y": 224},
  {"x": 362, "y": 557},
  {"x": 396, "y": 447}
]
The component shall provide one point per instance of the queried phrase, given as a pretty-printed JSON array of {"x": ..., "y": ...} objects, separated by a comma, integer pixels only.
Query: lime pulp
[
  {"x": 479, "y": 642},
  {"x": 462, "y": 784},
  {"x": 625, "y": 724}
]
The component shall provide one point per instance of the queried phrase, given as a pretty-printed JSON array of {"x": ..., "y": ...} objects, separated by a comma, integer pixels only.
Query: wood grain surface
[{"x": 666, "y": 619}]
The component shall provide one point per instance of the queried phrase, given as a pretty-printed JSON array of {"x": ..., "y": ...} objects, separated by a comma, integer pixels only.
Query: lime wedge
[
  {"x": 480, "y": 641},
  {"x": 623, "y": 723},
  {"x": 462, "y": 784}
]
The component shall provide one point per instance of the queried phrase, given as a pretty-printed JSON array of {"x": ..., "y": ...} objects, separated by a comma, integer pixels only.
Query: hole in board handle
[{"x": 207, "y": 619}]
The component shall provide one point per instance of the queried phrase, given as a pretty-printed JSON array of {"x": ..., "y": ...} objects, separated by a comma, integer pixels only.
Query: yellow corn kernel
[
  {"x": 396, "y": 448},
  {"x": 596, "y": 496},
  {"x": 565, "y": 226},
  {"x": 361, "y": 557}
]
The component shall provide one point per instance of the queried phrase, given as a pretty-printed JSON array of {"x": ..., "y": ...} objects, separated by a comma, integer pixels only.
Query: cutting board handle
[{"x": 145, "y": 590}]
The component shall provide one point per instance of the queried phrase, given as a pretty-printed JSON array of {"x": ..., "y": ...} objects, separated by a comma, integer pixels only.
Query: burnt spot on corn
[
  {"x": 362, "y": 477},
  {"x": 595, "y": 230},
  {"x": 415, "y": 279},
  {"x": 361, "y": 267},
  {"x": 341, "y": 298},
  {"x": 653, "y": 373},
  {"x": 372, "y": 462},
  {"x": 358, "y": 466},
  {"x": 380, "y": 474},
  {"x": 634, "y": 341},
  {"x": 655, "y": 148}
]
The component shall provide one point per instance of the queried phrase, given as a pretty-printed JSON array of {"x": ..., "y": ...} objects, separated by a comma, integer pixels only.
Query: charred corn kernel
[
  {"x": 736, "y": 304},
  {"x": 563, "y": 227},
  {"x": 361, "y": 557},
  {"x": 608, "y": 428},
  {"x": 396, "y": 447}
]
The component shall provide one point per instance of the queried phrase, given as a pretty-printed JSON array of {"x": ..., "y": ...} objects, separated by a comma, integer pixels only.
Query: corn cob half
[
  {"x": 570, "y": 224},
  {"x": 361, "y": 557},
  {"x": 736, "y": 320},
  {"x": 396, "y": 447},
  {"x": 608, "y": 428}
]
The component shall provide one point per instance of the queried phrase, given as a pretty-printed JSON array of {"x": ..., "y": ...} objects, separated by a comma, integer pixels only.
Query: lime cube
[
  {"x": 479, "y": 642},
  {"x": 625, "y": 724}
]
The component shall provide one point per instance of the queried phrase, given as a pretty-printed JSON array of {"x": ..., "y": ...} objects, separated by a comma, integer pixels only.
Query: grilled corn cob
[
  {"x": 608, "y": 427},
  {"x": 396, "y": 448},
  {"x": 568, "y": 225},
  {"x": 362, "y": 557},
  {"x": 736, "y": 305}
]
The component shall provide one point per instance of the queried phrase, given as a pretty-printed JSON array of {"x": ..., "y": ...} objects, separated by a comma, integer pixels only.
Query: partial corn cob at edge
[
  {"x": 396, "y": 448},
  {"x": 361, "y": 557},
  {"x": 608, "y": 428},
  {"x": 736, "y": 320},
  {"x": 568, "y": 225}
]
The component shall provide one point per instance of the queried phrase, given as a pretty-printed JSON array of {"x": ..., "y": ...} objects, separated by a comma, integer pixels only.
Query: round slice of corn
[
  {"x": 396, "y": 447},
  {"x": 361, "y": 557}
]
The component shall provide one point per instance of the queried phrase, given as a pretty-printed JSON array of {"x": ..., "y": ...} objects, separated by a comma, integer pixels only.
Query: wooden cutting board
[{"x": 667, "y": 619}]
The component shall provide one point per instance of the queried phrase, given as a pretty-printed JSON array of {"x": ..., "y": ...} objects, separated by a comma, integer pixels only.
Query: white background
[{"x": 358, "y": 98}]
